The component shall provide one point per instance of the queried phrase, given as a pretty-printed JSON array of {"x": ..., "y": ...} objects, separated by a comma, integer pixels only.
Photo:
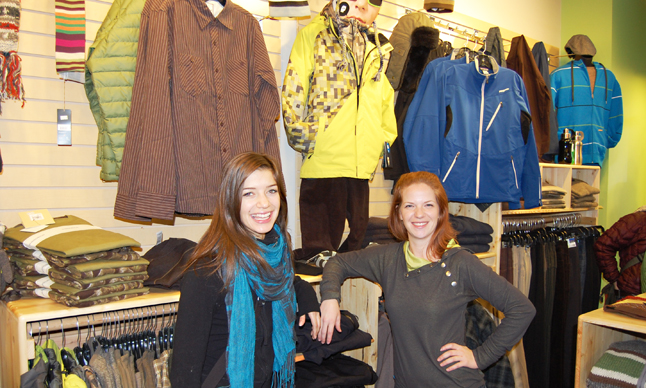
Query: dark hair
[
  {"x": 227, "y": 237},
  {"x": 444, "y": 232}
]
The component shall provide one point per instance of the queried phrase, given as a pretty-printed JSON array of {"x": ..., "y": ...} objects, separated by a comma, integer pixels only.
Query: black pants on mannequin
[{"x": 325, "y": 204}]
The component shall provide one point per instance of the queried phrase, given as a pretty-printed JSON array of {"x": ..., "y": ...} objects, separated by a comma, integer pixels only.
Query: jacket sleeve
[
  {"x": 388, "y": 120},
  {"x": 531, "y": 179},
  {"x": 147, "y": 183},
  {"x": 616, "y": 120},
  {"x": 193, "y": 327},
  {"x": 554, "y": 87},
  {"x": 495, "y": 289},
  {"x": 305, "y": 296},
  {"x": 422, "y": 125},
  {"x": 266, "y": 96},
  {"x": 610, "y": 242},
  {"x": 300, "y": 127},
  {"x": 367, "y": 263}
]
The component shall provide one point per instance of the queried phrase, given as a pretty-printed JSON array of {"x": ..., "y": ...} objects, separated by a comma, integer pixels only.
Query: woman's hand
[
  {"x": 330, "y": 319},
  {"x": 457, "y": 355},
  {"x": 315, "y": 319}
]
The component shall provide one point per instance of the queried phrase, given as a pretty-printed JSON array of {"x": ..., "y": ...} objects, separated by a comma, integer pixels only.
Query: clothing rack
[
  {"x": 462, "y": 31},
  {"x": 530, "y": 223},
  {"x": 131, "y": 319},
  {"x": 456, "y": 29}
]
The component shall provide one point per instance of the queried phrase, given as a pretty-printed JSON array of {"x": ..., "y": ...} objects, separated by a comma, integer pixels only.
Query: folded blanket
[
  {"x": 474, "y": 239},
  {"x": 577, "y": 205},
  {"x": 76, "y": 294},
  {"x": 82, "y": 284},
  {"x": 467, "y": 225},
  {"x": 118, "y": 254},
  {"x": 70, "y": 236},
  {"x": 553, "y": 202},
  {"x": 60, "y": 298},
  {"x": 25, "y": 267},
  {"x": 476, "y": 248},
  {"x": 547, "y": 195},
  {"x": 622, "y": 365},
  {"x": 100, "y": 268},
  {"x": 581, "y": 188},
  {"x": 31, "y": 282},
  {"x": 551, "y": 189},
  {"x": 560, "y": 206}
]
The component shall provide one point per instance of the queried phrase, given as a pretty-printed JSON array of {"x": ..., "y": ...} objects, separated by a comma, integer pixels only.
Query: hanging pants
[{"x": 325, "y": 204}]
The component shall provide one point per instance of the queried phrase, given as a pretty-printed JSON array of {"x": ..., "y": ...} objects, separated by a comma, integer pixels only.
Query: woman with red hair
[{"x": 427, "y": 281}]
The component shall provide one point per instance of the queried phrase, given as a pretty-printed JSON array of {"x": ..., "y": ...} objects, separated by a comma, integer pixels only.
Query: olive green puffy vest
[{"x": 109, "y": 76}]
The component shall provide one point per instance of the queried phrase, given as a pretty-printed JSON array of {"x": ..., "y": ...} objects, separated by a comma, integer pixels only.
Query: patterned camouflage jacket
[{"x": 339, "y": 120}]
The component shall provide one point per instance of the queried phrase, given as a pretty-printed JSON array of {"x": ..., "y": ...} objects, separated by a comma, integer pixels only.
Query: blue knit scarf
[{"x": 277, "y": 287}]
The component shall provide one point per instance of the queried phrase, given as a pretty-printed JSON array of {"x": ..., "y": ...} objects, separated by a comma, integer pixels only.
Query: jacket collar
[
  {"x": 480, "y": 73},
  {"x": 204, "y": 15}
]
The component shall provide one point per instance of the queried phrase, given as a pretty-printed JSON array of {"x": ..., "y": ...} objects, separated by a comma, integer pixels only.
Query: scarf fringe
[
  {"x": 285, "y": 377},
  {"x": 12, "y": 85}
]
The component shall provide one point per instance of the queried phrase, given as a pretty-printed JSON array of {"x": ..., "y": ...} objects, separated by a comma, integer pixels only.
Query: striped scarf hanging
[
  {"x": 70, "y": 39},
  {"x": 288, "y": 9},
  {"x": 11, "y": 87}
]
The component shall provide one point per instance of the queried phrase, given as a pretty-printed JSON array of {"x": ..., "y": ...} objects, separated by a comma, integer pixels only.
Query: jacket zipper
[
  {"x": 451, "y": 168},
  {"x": 359, "y": 81},
  {"x": 515, "y": 174},
  {"x": 480, "y": 137},
  {"x": 494, "y": 116}
]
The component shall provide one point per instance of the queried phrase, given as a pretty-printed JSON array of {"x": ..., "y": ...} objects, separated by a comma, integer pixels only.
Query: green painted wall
[{"x": 618, "y": 30}]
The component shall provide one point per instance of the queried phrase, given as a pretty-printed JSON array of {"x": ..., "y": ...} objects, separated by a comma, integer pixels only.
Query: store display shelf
[
  {"x": 547, "y": 211},
  {"x": 485, "y": 255},
  {"x": 596, "y": 331},
  {"x": 568, "y": 166}
]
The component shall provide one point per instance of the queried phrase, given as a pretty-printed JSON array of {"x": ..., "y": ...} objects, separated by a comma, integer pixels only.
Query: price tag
[{"x": 64, "y": 127}]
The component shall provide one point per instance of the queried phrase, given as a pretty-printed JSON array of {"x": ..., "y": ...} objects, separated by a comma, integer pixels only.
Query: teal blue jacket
[{"x": 599, "y": 114}]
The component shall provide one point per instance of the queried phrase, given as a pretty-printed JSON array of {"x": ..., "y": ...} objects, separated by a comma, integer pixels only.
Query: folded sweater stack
[
  {"x": 472, "y": 234},
  {"x": 75, "y": 263},
  {"x": 378, "y": 232},
  {"x": 583, "y": 195},
  {"x": 553, "y": 196}
]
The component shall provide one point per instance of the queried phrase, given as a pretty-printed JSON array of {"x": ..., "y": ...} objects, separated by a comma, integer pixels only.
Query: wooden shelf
[
  {"x": 547, "y": 211},
  {"x": 596, "y": 331},
  {"x": 40, "y": 309},
  {"x": 568, "y": 166}
]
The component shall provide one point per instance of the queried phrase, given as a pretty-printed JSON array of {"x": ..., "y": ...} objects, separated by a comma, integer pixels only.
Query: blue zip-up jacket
[
  {"x": 600, "y": 115},
  {"x": 473, "y": 130}
]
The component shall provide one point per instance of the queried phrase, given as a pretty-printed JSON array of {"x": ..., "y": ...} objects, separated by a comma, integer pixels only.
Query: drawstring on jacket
[
  {"x": 344, "y": 64},
  {"x": 605, "y": 73},
  {"x": 381, "y": 56}
]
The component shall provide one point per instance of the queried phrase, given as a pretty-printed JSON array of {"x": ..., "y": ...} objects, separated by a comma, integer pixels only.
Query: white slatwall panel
[{"x": 40, "y": 174}]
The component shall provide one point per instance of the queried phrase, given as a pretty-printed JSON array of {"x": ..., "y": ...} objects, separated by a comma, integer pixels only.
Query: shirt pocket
[
  {"x": 192, "y": 74},
  {"x": 237, "y": 69}
]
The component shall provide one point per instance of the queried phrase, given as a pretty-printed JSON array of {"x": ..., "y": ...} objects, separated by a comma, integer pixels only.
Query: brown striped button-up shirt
[{"x": 204, "y": 92}]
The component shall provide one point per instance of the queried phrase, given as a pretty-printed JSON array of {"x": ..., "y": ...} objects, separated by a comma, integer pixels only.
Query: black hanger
[{"x": 484, "y": 61}]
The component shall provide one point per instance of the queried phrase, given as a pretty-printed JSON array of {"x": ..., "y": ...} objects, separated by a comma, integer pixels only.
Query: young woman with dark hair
[
  {"x": 239, "y": 295},
  {"x": 427, "y": 281}
]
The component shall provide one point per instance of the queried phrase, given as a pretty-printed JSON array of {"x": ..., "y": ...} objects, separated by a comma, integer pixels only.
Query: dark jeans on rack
[
  {"x": 566, "y": 313},
  {"x": 539, "y": 329}
]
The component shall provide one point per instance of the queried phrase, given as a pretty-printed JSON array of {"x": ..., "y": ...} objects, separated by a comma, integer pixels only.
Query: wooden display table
[
  {"x": 596, "y": 331},
  {"x": 24, "y": 319}
]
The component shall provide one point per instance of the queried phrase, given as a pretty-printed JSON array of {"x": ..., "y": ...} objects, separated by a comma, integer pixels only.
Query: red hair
[{"x": 443, "y": 233}]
